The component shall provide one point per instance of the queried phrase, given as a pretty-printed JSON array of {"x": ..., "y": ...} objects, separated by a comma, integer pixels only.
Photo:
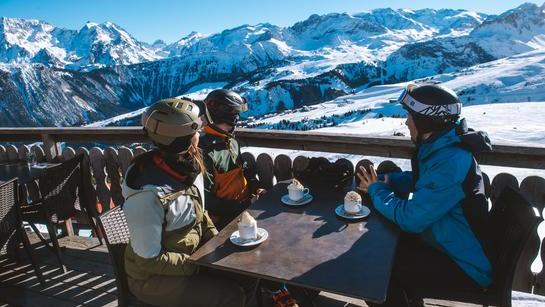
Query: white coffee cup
[
  {"x": 248, "y": 232},
  {"x": 296, "y": 193},
  {"x": 352, "y": 207}
]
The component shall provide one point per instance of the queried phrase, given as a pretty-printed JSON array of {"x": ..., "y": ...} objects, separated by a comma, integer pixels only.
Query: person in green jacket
[
  {"x": 229, "y": 190},
  {"x": 165, "y": 211}
]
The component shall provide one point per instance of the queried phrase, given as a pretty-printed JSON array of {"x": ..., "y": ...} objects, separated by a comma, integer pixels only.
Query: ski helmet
[
  {"x": 433, "y": 107},
  {"x": 225, "y": 106},
  {"x": 171, "y": 123}
]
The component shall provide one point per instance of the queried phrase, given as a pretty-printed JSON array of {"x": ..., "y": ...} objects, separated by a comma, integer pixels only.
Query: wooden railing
[
  {"x": 392, "y": 147},
  {"x": 110, "y": 160}
]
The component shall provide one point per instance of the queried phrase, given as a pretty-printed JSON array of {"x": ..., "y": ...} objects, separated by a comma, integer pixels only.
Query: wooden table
[
  {"x": 311, "y": 247},
  {"x": 21, "y": 170}
]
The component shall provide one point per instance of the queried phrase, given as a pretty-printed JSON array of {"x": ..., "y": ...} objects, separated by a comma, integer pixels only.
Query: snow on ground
[
  {"x": 200, "y": 91},
  {"x": 107, "y": 122}
]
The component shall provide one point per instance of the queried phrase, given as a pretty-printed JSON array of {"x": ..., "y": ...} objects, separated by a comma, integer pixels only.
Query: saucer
[
  {"x": 364, "y": 212},
  {"x": 303, "y": 201},
  {"x": 262, "y": 235}
]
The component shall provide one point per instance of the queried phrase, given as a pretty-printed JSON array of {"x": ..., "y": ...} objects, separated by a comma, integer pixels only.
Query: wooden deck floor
[{"x": 89, "y": 280}]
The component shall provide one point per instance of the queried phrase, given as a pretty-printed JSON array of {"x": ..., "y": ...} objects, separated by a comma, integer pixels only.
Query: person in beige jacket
[{"x": 165, "y": 210}]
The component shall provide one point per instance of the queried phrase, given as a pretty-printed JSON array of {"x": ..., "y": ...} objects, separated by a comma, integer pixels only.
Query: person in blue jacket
[{"x": 444, "y": 241}]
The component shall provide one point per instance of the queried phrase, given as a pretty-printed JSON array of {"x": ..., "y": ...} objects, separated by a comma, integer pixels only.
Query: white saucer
[
  {"x": 352, "y": 216},
  {"x": 303, "y": 201},
  {"x": 262, "y": 235}
]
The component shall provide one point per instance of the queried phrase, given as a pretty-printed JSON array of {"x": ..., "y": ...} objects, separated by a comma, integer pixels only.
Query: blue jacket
[{"x": 448, "y": 208}]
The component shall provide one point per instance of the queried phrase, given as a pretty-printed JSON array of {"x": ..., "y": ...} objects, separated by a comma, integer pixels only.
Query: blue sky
[{"x": 170, "y": 20}]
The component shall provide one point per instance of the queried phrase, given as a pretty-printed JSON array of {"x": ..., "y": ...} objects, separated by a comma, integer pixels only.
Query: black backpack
[{"x": 321, "y": 171}]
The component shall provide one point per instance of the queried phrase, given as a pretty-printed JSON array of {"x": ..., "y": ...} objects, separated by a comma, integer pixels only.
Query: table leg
[{"x": 68, "y": 228}]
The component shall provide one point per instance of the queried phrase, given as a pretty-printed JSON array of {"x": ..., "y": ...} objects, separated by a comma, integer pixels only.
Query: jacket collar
[
  {"x": 216, "y": 131},
  {"x": 436, "y": 142}
]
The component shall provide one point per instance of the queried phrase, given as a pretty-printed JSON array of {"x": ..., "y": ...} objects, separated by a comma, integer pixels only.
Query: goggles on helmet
[{"x": 413, "y": 105}]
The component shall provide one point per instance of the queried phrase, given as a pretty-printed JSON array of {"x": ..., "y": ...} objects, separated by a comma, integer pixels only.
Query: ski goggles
[{"x": 440, "y": 110}]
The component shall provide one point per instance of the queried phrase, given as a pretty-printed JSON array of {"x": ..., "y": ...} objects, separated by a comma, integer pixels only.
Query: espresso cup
[
  {"x": 247, "y": 232},
  {"x": 296, "y": 194},
  {"x": 352, "y": 208}
]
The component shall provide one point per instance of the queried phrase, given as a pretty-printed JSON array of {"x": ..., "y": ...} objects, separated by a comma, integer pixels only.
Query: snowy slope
[{"x": 519, "y": 78}]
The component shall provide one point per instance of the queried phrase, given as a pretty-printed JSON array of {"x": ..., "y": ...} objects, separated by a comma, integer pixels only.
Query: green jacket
[
  {"x": 167, "y": 222},
  {"x": 226, "y": 187}
]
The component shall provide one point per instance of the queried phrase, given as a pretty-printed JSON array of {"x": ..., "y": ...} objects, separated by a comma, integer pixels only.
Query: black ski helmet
[
  {"x": 171, "y": 123},
  {"x": 433, "y": 107},
  {"x": 225, "y": 106}
]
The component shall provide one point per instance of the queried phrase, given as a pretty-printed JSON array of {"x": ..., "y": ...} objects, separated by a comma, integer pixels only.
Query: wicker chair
[
  {"x": 116, "y": 234},
  {"x": 11, "y": 226},
  {"x": 65, "y": 190}
]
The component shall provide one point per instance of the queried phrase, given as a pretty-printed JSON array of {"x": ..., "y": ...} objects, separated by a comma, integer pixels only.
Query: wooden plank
[
  {"x": 388, "y": 166},
  {"x": 501, "y": 181},
  {"x": 12, "y": 153},
  {"x": 68, "y": 153},
  {"x": 250, "y": 165},
  {"x": 114, "y": 175},
  {"x": 98, "y": 165},
  {"x": 350, "y": 183},
  {"x": 56, "y": 285},
  {"x": 282, "y": 168},
  {"x": 395, "y": 147},
  {"x": 300, "y": 163},
  {"x": 139, "y": 150},
  {"x": 23, "y": 273},
  {"x": 18, "y": 296},
  {"x": 39, "y": 152},
  {"x": 125, "y": 156},
  {"x": 51, "y": 147},
  {"x": 533, "y": 189},
  {"x": 22, "y": 152},
  {"x": 3, "y": 154},
  {"x": 487, "y": 184},
  {"x": 265, "y": 170},
  {"x": 365, "y": 163}
]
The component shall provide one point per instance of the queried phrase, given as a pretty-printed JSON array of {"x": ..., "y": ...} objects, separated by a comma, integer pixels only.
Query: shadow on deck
[{"x": 89, "y": 280}]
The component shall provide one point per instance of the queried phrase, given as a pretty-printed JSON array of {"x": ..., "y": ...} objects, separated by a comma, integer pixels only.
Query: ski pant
[
  {"x": 420, "y": 270},
  {"x": 207, "y": 288}
]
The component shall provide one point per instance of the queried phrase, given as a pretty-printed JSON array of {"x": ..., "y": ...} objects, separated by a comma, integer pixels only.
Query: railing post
[{"x": 51, "y": 147}]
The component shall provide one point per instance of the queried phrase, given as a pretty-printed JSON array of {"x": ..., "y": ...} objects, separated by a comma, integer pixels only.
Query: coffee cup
[
  {"x": 352, "y": 202},
  {"x": 297, "y": 193},
  {"x": 247, "y": 227},
  {"x": 247, "y": 232},
  {"x": 352, "y": 207}
]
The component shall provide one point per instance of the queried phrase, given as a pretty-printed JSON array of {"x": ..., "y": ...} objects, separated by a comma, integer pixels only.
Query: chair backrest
[
  {"x": 512, "y": 220},
  {"x": 59, "y": 187},
  {"x": 500, "y": 182},
  {"x": 116, "y": 233},
  {"x": 8, "y": 216}
]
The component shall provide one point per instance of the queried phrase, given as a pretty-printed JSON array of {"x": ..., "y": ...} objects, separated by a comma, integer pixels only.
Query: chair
[
  {"x": 512, "y": 221},
  {"x": 65, "y": 190},
  {"x": 116, "y": 234},
  {"x": 11, "y": 226}
]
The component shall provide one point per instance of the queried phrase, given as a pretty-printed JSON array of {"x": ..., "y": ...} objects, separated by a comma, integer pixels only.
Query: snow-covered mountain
[
  {"x": 100, "y": 71},
  {"x": 94, "y": 45},
  {"x": 516, "y": 31}
]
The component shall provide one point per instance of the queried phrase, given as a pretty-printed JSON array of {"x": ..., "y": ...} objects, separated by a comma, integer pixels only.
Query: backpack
[{"x": 322, "y": 172}]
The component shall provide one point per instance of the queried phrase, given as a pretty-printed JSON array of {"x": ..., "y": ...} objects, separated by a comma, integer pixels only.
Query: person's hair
[{"x": 195, "y": 153}]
